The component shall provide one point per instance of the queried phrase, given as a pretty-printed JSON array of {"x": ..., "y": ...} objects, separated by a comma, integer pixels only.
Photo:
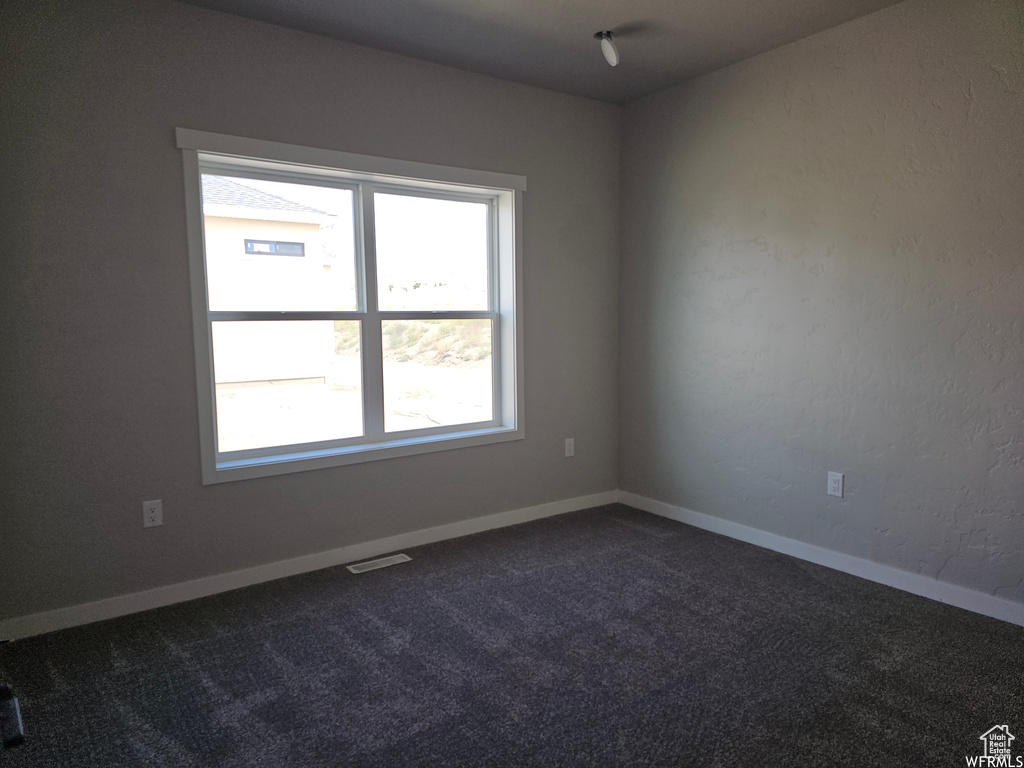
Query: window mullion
[
  {"x": 252, "y": 315},
  {"x": 371, "y": 343},
  {"x": 446, "y": 314},
  {"x": 494, "y": 305}
]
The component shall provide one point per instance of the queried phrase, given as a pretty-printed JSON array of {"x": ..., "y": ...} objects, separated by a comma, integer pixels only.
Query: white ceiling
[{"x": 550, "y": 43}]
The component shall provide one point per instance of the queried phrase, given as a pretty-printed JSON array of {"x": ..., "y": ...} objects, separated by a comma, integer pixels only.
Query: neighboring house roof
[
  {"x": 223, "y": 196},
  {"x": 225, "y": 191}
]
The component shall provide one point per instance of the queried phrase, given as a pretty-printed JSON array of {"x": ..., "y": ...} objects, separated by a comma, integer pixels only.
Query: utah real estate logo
[{"x": 997, "y": 754}]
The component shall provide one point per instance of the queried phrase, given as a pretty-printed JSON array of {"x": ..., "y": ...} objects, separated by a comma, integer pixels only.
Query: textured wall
[
  {"x": 823, "y": 268},
  {"x": 99, "y": 387}
]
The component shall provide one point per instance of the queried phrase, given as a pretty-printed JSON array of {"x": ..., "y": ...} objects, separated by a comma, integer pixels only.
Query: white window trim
[{"x": 199, "y": 147}]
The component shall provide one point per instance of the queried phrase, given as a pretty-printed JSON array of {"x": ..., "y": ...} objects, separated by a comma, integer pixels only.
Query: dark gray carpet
[{"x": 602, "y": 638}]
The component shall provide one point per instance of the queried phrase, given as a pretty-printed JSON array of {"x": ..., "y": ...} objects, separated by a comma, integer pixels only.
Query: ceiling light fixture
[{"x": 611, "y": 53}]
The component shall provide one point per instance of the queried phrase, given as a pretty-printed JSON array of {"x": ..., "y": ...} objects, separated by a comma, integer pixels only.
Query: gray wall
[
  {"x": 822, "y": 268},
  {"x": 99, "y": 383}
]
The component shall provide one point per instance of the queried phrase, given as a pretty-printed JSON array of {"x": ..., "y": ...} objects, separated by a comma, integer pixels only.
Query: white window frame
[{"x": 206, "y": 152}]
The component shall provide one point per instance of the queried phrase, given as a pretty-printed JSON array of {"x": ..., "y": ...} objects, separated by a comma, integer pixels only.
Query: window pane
[
  {"x": 436, "y": 373},
  {"x": 277, "y": 246},
  {"x": 286, "y": 382},
  {"x": 431, "y": 254}
]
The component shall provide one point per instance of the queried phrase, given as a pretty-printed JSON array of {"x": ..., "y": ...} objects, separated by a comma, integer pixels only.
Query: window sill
[{"x": 288, "y": 463}]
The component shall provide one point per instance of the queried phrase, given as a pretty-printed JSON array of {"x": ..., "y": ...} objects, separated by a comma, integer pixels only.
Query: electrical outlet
[
  {"x": 835, "y": 484},
  {"x": 570, "y": 446},
  {"x": 152, "y": 513}
]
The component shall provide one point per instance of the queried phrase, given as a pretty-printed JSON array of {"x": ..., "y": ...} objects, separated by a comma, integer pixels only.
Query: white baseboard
[
  {"x": 944, "y": 592},
  {"x": 62, "y": 618}
]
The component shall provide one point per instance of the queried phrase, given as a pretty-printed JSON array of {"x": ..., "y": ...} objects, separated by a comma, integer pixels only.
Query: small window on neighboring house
[
  {"x": 273, "y": 247},
  {"x": 399, "y": 332}
]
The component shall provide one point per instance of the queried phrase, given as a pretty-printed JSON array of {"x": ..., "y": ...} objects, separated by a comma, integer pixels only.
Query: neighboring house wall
[
  {"x": 100, "y": 369},
  {"x": 264, "y": 281},
  {"x": 823, "y": 269},
  {"x": 260, "y": 281}
]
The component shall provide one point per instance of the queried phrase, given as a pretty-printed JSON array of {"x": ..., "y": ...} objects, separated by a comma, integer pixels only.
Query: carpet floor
[{"x": 608, "y": 637}]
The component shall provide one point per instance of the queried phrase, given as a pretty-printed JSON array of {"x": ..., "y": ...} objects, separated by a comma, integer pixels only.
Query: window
[
  {"x": 268, "y": 246},
  {"x": 348, "y": 308}
]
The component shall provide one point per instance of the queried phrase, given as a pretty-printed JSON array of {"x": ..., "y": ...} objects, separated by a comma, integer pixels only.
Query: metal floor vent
[{"x": 380, "y": 562}]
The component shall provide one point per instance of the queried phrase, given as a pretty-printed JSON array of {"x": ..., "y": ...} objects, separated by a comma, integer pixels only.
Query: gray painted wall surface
[
  {"x": 823, "y": 268},
  {"x": 99, "y": 390}
]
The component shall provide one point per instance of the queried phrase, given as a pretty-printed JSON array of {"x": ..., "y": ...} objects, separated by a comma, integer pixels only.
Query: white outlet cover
[
  {"x": 835, "y": 484},
  {"x": 152, "y": 513},
  {"x": 570, "y": 446}
]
